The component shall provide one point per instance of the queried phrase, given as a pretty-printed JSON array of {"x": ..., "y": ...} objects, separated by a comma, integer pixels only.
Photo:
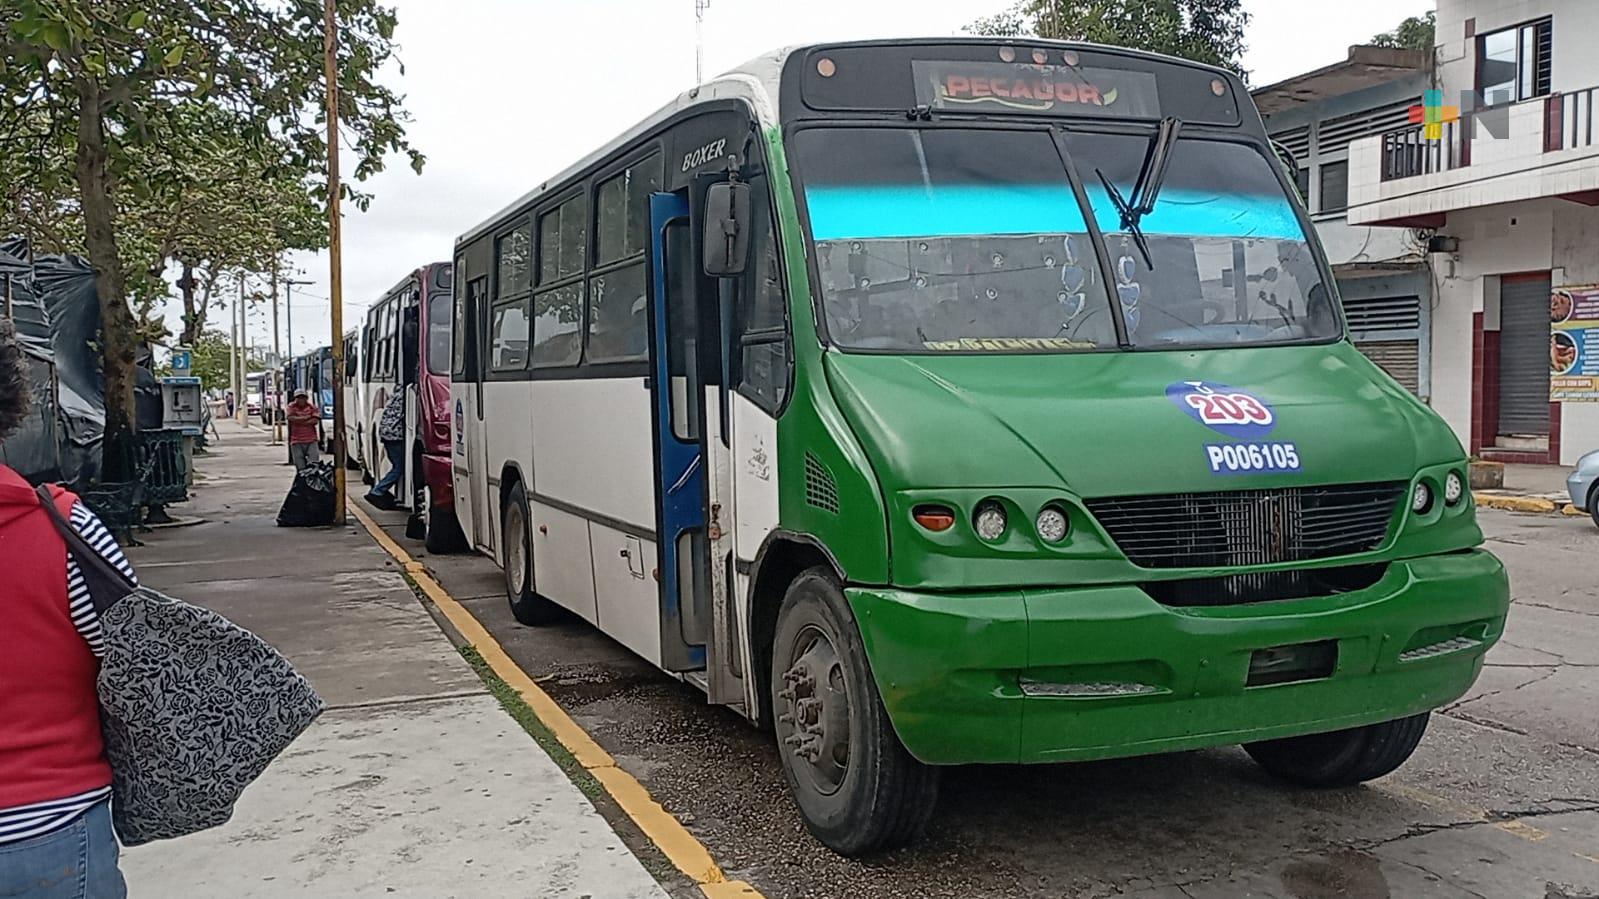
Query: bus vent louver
[
  {"x": 1249, "y": 527},
  {"x": 820, "y": 489}
]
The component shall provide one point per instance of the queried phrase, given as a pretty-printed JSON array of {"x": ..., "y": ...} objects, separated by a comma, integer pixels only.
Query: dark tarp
[{"x": 57, "y": 314}]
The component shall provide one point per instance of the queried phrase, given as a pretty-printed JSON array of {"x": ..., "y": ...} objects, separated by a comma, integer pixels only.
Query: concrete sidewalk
[
  {"x": 1530, "y": 488},
  {"x": 414, "y": 782}
]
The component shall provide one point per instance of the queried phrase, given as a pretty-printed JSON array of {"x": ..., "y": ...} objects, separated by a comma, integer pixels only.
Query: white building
[
  {"x": 1383, "y": 274},
  {"x": 1510, "y": 196}
]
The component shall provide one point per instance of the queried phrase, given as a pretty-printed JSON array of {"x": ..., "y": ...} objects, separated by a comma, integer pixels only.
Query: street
[{"x": 1501, "y": 800}]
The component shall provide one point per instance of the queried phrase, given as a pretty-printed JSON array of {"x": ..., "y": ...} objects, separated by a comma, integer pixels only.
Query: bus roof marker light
[
  {"x": 1040, "y": 57},
  {"x": 1070, "y": 58},
  {"x": 1007, "y": 54},
  {"x": 825, "y": 67}
]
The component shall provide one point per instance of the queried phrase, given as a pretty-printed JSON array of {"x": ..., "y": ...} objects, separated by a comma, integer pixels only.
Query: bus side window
[
  {"x": 458, "y": 321},
  {"x": 508, "y": 335},
  {"x": 763, "y": 311}
]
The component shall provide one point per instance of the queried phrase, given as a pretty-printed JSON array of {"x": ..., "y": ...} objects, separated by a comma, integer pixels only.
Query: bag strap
[{"x": 107, "y": 584}]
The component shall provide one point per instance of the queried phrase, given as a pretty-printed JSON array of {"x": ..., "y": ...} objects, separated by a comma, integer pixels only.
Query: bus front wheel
[
  {"x": 528, "y": 607},
  {"x": 857, "y": 788},
  {"x": 1341, "y": 758}
]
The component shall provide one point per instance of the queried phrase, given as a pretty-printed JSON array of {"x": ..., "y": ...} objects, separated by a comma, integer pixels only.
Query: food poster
[{"x": 1574, "y": 344}]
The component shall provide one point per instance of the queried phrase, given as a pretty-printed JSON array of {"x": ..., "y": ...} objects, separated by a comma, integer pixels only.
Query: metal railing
[
  {"x": 1408, "y": 152},
  {"x": 1569, "y": 120}
]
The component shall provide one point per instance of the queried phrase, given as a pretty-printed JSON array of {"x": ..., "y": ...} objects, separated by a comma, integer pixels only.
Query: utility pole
[
  {"x": 330, "y": 47},
  {"x": 277, "y": 367},
  {"x": 234, "y": 366},
  {"x": 700, "y": 6}
]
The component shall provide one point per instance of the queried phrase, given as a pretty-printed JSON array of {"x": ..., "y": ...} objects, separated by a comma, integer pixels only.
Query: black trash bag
[{"x": 310, "y": 501}]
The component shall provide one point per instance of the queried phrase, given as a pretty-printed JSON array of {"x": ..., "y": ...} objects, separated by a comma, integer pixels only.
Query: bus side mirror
[{"x": 727, "y": 229}]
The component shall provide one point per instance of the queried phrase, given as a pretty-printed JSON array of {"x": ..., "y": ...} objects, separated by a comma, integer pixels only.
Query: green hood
[{"x": 1102, "y": 424}]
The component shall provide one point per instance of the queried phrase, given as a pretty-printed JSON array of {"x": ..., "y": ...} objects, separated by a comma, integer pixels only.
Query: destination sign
[{"x": 970, "y": 86}]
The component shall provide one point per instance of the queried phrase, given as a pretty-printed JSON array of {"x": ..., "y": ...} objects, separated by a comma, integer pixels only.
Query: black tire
[
  {"x": 877, "y": 796},
  {"x": 444, "y": 534},
  {"x": 1341, "y": 758},
  {"x": 1593, "y": 504},
  {"x": 528, "y": 607}
]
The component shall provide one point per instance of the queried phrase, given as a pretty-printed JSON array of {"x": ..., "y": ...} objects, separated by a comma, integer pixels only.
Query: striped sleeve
[{"x": 80, "y": 605}]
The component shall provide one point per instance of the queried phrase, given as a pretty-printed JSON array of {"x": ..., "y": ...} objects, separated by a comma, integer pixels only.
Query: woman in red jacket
[{"x": 56, "y": 840}]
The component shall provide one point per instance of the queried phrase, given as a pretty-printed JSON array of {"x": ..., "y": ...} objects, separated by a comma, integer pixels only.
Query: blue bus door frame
[{"x": 679, "y": 459}]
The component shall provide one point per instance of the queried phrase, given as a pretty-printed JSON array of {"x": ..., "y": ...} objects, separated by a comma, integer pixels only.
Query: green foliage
[
  {"x": 1208, "y": 31},
  {"x": 1414, "y": 33},
  {"x": 211, "y": 361},
  {"x": 151, "y": 130}
]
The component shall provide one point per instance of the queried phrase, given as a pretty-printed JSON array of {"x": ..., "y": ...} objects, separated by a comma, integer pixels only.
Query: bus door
[
  {"x": 676, "y": 384},
  {"x": 410, "y": 486}
]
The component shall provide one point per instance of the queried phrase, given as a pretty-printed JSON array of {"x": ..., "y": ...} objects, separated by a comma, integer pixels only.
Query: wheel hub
[
  {"x": 515, "y": 550},
  {"x": 816, "y": 711}
]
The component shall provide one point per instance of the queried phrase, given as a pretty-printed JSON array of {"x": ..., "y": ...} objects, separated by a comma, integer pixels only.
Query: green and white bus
[{"x": 965, "y": 401}]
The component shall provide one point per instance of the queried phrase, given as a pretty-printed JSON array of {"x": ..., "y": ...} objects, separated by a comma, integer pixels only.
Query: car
[{"x": 1584, "y": 485}]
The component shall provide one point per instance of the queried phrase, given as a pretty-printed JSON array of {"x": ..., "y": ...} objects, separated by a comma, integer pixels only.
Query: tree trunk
[
  {"x": 117, "y": 327},
  {"x": 192, "y": 320}
]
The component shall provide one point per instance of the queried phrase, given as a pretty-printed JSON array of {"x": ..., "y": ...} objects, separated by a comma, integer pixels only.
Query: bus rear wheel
[
  {"x": 857, "y": 788},
  {"x": 528, "y": 607},
  {"x": 1341, "y": 758}
]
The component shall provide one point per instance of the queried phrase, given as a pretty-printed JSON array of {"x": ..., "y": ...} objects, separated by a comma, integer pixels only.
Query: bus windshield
[{"x": 930, "y": 240}]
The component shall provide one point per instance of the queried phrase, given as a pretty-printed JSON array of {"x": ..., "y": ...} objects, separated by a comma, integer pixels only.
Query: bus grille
[{"x": 1249, "y": 527}]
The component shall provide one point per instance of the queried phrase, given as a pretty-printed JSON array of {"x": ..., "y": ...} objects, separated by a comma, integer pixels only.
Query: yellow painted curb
[
  {"x": 1510, "y": 503},
  {"x": 668, "y": 834}
]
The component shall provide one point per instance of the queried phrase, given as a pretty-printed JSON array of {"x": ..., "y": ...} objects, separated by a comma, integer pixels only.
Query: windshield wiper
[{"x": 1146, "y": 190}]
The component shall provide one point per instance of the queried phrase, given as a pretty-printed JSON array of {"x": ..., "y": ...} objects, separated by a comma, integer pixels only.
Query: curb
[
  {"x": 1512, "y": 503},
  {"x": 658, "y": 825}
]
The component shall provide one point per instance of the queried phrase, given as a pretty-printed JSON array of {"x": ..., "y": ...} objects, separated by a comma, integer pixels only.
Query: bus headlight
[
  {"x": 1052, "y": 524},
  {"x": 990, "y": 521},
  {"x": 1421, "y": 499},
  {"x": 1454, "y": 489}
]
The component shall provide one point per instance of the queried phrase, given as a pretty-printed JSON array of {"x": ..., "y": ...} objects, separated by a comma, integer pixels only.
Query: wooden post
[
  {"x": 277, "y": 368},
  {"x": 330, "y": 46}
]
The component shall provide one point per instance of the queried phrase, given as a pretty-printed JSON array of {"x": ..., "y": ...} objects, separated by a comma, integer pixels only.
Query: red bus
[{"x": 405, "y": 345}]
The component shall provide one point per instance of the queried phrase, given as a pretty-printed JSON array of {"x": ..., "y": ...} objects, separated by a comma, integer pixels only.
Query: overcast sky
[{"x": 504, "y": 93}]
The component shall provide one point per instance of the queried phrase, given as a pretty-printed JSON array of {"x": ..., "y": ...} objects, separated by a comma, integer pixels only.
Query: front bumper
[
  {"x": 952, "y": 667},
  {"x": 1580, "y": 485}
]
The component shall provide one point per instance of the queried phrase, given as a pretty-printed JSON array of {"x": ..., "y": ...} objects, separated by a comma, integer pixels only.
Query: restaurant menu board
[{"x": 1574, "y": 344}]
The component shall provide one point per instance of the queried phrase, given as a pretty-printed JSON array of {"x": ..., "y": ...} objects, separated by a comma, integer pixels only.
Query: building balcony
[{"x": 1545, "y": 147}]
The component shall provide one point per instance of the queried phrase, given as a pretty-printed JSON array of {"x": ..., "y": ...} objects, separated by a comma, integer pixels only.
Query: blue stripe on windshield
[{"x": 865, "y": 213}]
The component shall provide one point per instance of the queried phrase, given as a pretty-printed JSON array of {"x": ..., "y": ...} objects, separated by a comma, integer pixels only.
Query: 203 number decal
[
  {"x": 1245, "y": 458},
  {"x": 1229, "y": 409}
]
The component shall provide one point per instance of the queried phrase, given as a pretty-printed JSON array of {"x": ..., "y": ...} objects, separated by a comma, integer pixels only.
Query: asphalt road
[{"x": 1500, "y": 800}]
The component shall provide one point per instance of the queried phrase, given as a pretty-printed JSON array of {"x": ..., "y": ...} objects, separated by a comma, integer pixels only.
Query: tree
[
  {"x": 1414, "y": 33},
  {"x": 107, "y": 76},
  {"x": 1208, "y": 31},
  {"x": 212, "y": 361}
]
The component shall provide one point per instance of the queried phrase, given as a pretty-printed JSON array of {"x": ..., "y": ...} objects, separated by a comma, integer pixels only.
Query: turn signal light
[{"x": 934, "y": 518}]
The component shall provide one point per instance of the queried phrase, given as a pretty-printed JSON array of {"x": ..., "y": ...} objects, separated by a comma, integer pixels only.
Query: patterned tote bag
[{"x": 192, "y": 706}]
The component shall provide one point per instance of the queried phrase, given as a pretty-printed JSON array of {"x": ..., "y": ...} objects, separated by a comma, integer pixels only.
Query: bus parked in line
[
  {"x": 406, "y": 346},
  {"x": 258, "y": 395},
  {"x": 965, "y": 401},
  {"x": 354, "y": 392},
  {"x": 313, "y": 372}
]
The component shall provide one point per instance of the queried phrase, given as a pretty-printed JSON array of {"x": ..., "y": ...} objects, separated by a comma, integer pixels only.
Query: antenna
[{"x": 700, "y": 6}]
